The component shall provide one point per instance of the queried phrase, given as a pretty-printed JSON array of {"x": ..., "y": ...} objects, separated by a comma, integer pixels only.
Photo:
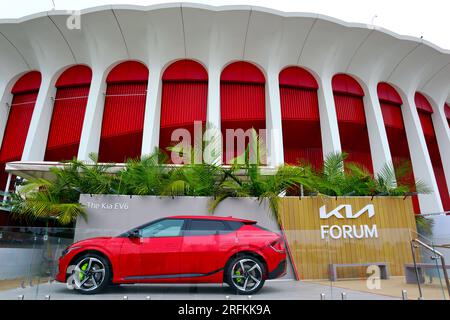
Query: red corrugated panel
[
  {"x": 183, "y": 103},
  {"x": 313, "y": 156},
  {"x": 184, "y": 99},
  {"x": 242, "y": 72},
  {"x": 17, "y": 126},
  {"x": 362, "y": 158},
  {"x": 184, "y": 94},
  {"x": 229, "y": 153},
  {"x": 66, "y": 124},
  {"x": 427, "y": 123},
  {"x": 240, "y": 101},
  {"x": 438, "y": 169},
  {"x": 300, "y": 117},
  {"x": 398, "y": 142},
  {"x": 129, "y": 71},
  {"x": 350, "y": 109},
  {"x": 299, "y": 104},
  {"x": 422, "y": 103},
  {"x": 436, "y": 161},
  {"x": 345, "y": 84},
  {"x": 353, "y": 129},
  {"x": 302, "y": 141},
  {"x": 185, "y": 70},
  {"x": 442, "y": 186},
  {"x": 387, "y": 93},
  {"x": 392, "y": 115},
  {"x": 297, "y": 77},
  {"x": 242, "y": 106},
  {"x": 30, "y": 81},
  {"x": 78, "y": 75},
  {"x": 123, "y": 122},
  {"x": 25, "y": 93}
]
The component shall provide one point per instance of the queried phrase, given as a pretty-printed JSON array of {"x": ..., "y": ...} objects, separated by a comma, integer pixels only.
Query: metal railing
[{"x": 415, "y": 243}]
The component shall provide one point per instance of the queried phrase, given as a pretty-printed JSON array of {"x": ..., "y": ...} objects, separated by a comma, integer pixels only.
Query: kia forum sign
[
  {"x": 348, "y": 231},
  {"x": 322, "y": 231}
]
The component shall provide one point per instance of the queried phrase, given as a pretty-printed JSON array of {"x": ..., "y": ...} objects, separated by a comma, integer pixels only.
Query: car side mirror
[{"x": 134, "y": 234}]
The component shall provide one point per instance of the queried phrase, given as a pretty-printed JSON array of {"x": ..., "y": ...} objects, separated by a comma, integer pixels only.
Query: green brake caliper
[
  {"x": 238, "y": 273},
  {"x": 83, "y": 268}
]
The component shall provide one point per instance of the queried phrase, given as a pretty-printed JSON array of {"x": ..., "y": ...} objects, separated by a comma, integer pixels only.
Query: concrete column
[
  {"x": 213, "y": 112},
  {"x": 442, "y": 132},
  {"x": 420, "y": 159},
  {"x": 274, "y": 137},
  {"x": 213, "y": 118},
  {"x": 92, "y": 124},
  {"x": 5, "y": 106},
  {"x": 328, "y": 119},
  {"x": 150, "y": 139},
  {"x": 379, "y": 145},
  {"x": 36, "y": 142}
]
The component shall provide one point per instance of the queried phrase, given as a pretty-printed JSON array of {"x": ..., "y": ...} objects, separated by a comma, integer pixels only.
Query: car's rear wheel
[
  {"x": 245, "y": 274},
  {"x": 91, "y": 273}
]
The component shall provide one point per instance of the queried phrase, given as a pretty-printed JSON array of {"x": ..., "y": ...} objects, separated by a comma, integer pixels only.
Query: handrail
[{"x": 444, "y": 269}]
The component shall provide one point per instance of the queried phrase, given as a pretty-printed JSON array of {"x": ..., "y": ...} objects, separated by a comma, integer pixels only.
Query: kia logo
[{"x": 345, "y": 211}]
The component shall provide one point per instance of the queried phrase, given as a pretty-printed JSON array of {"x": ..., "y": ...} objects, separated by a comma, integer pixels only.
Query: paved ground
[
  {"x": 273, "y": 290},
  {"x": 435, "y": 290}
]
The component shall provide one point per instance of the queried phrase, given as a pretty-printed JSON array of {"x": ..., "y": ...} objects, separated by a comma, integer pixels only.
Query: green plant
[
  {"x": 146, "y": 176},
  {"x": 89, "y": 177},
  {"x": 193, "y": 180},
  {"x": 424, "y": 225},
  {"x": 58, "y": 198},
  {"x": 330, "y": 180},
  {"x": 43, "y": 199},
  {"x": 397, "y": 181},
  {"x": 245, "y": 178}
]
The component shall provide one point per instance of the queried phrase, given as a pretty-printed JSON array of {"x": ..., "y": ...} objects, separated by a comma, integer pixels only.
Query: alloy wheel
[
  {"x": 246, "y": 274},
  {"x": 89, "y": 274}
]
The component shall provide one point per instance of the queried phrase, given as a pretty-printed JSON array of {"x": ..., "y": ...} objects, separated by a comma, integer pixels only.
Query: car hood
[{"x": 96, "y": 240}]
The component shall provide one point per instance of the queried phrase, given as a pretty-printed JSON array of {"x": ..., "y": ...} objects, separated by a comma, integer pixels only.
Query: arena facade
[{"x": 117, "y": 80}]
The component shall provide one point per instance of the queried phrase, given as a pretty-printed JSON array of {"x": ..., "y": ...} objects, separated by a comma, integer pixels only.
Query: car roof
[{"x": 229, "y": 218}]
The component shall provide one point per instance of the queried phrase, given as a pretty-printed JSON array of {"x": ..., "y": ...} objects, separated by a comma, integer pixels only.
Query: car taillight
[{"x": 278, "y": 245}]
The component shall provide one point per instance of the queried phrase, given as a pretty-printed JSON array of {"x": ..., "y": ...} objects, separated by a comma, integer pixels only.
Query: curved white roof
[{"x": 217, "y": 35}]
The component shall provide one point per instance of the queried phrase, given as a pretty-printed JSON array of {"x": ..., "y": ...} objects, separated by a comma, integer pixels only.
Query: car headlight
[{"x": 68, "y": 249}]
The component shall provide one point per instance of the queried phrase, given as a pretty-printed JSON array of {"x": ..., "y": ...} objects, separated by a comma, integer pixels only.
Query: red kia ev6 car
[{"x": 178, "y": 249}]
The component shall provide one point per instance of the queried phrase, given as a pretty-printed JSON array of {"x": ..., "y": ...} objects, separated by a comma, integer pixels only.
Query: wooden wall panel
[{"x": 394, "y": 217}]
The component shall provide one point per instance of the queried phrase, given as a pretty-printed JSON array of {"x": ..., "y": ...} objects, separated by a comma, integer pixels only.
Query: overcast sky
[{"x": 427, "y": 18}]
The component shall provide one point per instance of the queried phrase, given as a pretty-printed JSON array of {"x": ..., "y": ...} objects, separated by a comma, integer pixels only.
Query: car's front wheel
[
  {"x": 91, "y": 273},
  {"x": 245, "y": 274}
]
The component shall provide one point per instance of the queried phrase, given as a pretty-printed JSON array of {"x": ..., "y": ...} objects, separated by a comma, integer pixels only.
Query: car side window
[
  {"x": 163, "y": 228},
  {"x": 198, "y": 227}
]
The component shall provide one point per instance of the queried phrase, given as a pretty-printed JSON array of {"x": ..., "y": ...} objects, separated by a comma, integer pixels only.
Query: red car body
[{"x": 186, "y": 258}]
